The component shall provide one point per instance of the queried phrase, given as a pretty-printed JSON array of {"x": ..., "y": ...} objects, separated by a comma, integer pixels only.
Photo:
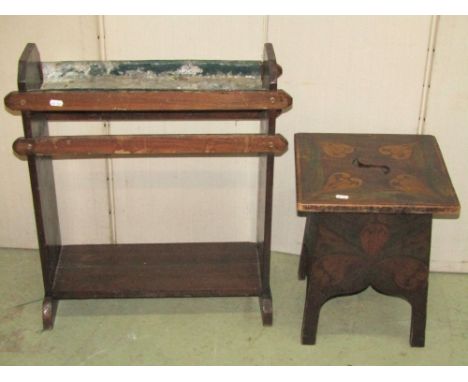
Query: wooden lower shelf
[{"x": 158, "y": 270}]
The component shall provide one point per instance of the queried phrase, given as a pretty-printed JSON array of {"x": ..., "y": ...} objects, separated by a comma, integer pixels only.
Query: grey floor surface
[{"x": 363, "y": 329}]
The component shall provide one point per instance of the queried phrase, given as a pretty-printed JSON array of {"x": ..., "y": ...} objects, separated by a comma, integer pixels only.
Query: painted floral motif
[
  {"x": 399, "y": 152},
  {"x": 341, "y": 181},
  {"x": 408, "y": 274},
  {"x": 409, "y": 183},
  {"x": 336, "y": 150},
  {"x": 373, "y": 238},
  {"x": 333, "y": 270}
]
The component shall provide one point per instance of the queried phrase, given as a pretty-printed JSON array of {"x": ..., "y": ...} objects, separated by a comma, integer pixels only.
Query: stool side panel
[{"x": 346, "y": 253}]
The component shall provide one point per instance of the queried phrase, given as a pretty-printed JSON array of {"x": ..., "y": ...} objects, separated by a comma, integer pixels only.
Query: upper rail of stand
[
  {"x": 139, "y": 100},
  {"x": 149, "y": 90}
]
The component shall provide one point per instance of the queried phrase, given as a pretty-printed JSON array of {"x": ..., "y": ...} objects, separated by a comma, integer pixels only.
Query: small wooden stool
[{"x": 369, "y": 202}]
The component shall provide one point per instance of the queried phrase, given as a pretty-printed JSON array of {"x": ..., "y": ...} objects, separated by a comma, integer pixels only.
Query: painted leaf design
[
  {"x": 330, "y": 271},
  {"x": 373, "y": 238},
  {"x": 408, "y": 273},
  {"x": 411, "y": 184},
  {"x": 336, "y": 150},
  {"x": 399, "y": 152},
  {"x": 341, "y": 181}
]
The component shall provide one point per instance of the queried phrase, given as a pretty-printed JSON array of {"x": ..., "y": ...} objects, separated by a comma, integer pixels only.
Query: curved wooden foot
[
  {"x": 266, "y": 309},
  {"x": 49, "y": 308}
]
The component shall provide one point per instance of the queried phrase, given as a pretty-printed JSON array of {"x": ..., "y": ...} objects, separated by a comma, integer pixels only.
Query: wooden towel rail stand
[{"x": 173, "y": 90}]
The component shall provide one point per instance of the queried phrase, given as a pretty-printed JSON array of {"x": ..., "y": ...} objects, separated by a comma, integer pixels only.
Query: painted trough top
[{"x": 152, "y": 75}]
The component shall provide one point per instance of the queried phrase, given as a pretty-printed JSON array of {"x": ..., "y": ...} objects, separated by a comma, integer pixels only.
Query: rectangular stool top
[{"x": 384, "y": 173}]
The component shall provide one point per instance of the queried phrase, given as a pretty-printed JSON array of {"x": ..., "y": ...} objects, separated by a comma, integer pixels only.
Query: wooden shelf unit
[{"x": 108, "y": 91}]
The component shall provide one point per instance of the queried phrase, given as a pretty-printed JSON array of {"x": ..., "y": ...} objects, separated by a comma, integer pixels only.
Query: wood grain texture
[
  {"x": 95, "y": 101},
  {"x": 152, "y": 145},
  {"x": 372, "y": 173},
  {"x": 248, "y": 115},
  {"x": 158, "y": 270}
]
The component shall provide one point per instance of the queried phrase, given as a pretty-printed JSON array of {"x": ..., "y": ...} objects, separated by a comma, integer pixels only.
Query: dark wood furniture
[
  {"x": 148, "y": 90},
  {"x": 369, "y": 201}
]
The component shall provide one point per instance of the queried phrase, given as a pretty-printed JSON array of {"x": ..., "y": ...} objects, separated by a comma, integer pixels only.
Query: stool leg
[
  {"x": 418, "y": 318},
  {"x": 310, "y": 232},
  {"x": 49, "y": 309},
  {"x": 302, "y": 273},
  {"x": 313, "y": 303}
]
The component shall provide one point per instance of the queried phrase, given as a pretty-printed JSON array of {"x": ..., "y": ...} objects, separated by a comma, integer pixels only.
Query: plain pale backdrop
[{"x": 345, "y": 74}]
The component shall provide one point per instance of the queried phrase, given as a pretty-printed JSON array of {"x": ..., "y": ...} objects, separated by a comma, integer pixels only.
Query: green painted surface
[
  {"x": 153, "y": 75},
  {"x": 364, "y": 329}
]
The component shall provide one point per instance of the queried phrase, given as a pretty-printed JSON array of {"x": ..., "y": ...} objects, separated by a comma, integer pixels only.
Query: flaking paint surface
[{"x": 153, "y": 75}]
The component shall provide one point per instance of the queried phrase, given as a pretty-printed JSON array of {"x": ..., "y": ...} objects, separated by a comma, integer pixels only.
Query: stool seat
[{"x": 372, "y": 173}]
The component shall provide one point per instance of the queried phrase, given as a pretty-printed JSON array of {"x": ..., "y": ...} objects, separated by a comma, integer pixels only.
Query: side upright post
[
  {"x": 42, "y": 184},
  {"x": 271, "y": 71}
]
